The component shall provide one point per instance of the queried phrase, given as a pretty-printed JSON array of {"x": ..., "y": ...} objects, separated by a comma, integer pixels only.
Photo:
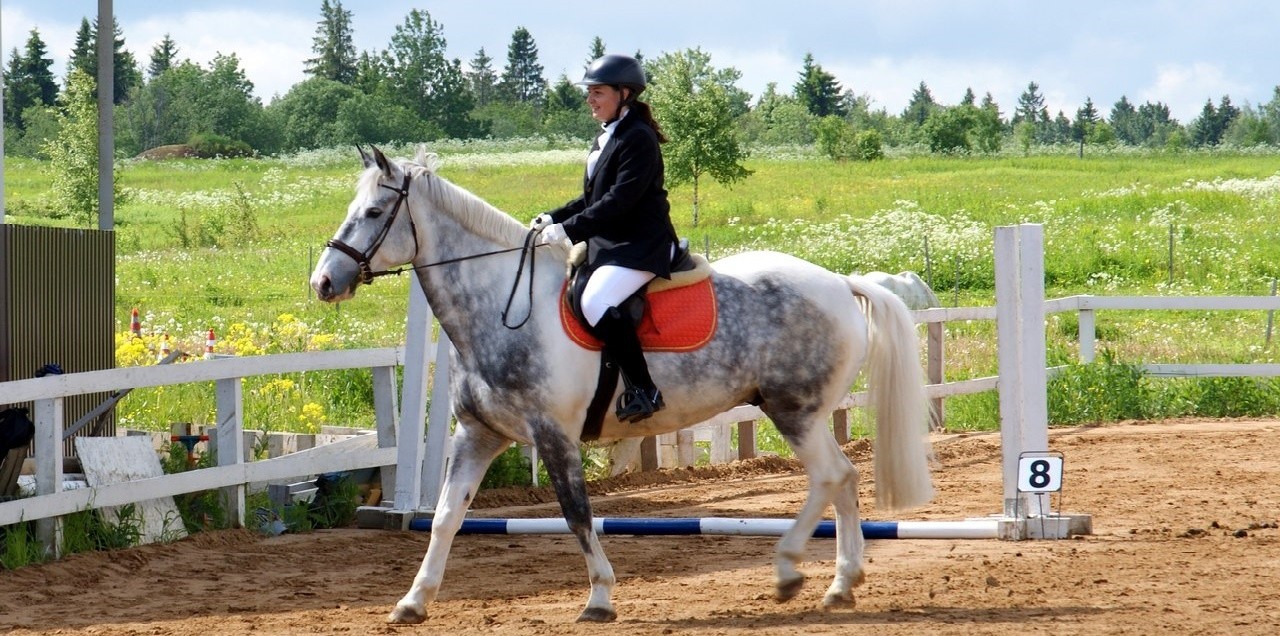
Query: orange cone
[
  {"x": 135, "y": 325},
  {"x": 209, "y": 342}
]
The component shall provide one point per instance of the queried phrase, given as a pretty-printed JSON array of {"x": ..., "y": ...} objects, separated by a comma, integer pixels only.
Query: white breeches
[{"x": 608, "y": 287}]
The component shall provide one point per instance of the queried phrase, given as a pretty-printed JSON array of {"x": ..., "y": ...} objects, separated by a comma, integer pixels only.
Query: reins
[{"x": 367, "y": 274}]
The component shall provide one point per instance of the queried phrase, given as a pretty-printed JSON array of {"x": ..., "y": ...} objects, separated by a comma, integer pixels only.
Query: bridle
[
  {"x": 362, "y": 258},
  {"x": 366, "y": 270}
]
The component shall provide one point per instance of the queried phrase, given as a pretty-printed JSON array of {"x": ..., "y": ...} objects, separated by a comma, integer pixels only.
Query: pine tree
[
  {"x": 163, "y": 56},
  {"x": 335, "y": 53},
  {"x": 28, "y": 81},
  {"x": 817, "y": 89},
  {"x": 1123, "y": 121},
  {"x": 481, "y": 80},
  {"x": 597, "y": 50},
  {"x": 921, "y": 106},
  {"x": 522, "y": 80},
  {"x": 84, "y": 57},
  {"x": 969, "y": 98},
  {"x": 1031, "y": 108}
]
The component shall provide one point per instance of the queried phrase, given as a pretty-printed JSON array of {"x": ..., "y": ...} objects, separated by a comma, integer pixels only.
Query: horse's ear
[
  {"x": 381, "y": 160},
  {"x": 364, "y": 156}
]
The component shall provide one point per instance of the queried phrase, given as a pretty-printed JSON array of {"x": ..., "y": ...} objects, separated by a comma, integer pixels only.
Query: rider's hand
[
  {"x": 540, "y": 222},
  {"x": 553, "y": 233}
]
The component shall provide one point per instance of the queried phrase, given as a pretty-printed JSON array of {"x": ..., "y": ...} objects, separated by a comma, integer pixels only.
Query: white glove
[
  {"x": 541, "y": 221},
  {"x": 553, "y": 233}
]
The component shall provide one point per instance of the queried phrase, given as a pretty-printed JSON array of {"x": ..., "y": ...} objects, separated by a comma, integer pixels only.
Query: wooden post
[
  {"x": 746, "y": 439},
  {"x": 937, "y": 374},
  {"x": 840, "y": 425},
  {"x": 384, "y": 416},
  {"x": 686, "y": 452},
  {"x": 1087, "y": 334},
  {"x": 231, "y": 446},
  {"x": 49, "y": 415},
  {"x": 649, "y": 454},
  {"x": 413, "y": 406}
]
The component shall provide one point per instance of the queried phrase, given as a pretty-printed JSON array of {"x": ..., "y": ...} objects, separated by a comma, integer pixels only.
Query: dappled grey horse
[{"x": 791, "y": 338}]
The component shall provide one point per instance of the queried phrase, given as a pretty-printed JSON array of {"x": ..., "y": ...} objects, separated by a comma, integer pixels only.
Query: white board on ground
[{"x": 112, "y": 460}]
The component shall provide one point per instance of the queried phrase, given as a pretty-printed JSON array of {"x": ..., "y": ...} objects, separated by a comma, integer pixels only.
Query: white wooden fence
[{"x": 418, "y": 458}]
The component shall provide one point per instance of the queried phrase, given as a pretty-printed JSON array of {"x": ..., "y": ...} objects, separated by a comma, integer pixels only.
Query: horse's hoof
[
  {"x": 837, "y": 600},
  {"x": 405, "y": 615},
  {"x": 787, "y": 590},
  {"x": 597, "y": 615}
]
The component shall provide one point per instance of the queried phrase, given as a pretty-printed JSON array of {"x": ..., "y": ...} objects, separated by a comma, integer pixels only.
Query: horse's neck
[{"x": 469, "y": 297}]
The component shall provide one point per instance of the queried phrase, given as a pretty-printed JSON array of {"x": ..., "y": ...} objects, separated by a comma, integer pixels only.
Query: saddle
[{"x": 676, "y": 314}]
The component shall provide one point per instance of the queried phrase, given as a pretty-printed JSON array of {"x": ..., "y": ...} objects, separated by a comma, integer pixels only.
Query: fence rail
[{"x": 233, "y": 474}]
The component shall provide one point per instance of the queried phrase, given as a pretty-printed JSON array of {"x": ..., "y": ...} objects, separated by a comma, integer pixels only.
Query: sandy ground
[{"x": 1185, "y": 542}]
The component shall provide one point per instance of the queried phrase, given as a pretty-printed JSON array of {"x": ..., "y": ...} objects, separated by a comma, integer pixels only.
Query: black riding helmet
[{"x": 616, "y": 70}]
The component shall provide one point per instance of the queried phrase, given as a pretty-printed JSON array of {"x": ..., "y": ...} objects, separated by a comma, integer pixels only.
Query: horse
[
  {"x": 908, "y": 286},
  {"x": 791, "y": 338}
]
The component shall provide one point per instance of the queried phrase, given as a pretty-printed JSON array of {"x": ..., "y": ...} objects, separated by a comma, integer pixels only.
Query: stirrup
[{"x": 634, "y": 404}]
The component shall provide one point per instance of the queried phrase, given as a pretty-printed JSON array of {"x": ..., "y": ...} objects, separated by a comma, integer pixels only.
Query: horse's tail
[{"x": 897, "y": 399}]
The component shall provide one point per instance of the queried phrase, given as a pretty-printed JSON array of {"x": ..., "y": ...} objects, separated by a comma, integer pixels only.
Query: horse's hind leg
[
  {"x": 563, "y": 461},
  {"x": 474, "y": 448},
  {"x": 849, "y": 541},
  {"x": 830, "y": 475}
]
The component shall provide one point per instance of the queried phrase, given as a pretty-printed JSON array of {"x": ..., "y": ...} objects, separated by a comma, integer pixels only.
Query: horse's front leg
[
  {"x": 563, "y": 460},
  {"x": 474, "y": 448}
]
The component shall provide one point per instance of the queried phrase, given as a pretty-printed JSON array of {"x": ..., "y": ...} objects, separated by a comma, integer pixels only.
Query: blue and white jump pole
[{"x": 970, "y": 529}]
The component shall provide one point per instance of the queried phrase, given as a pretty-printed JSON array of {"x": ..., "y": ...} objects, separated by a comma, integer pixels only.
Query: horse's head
[{"x": 377, "y": 235}]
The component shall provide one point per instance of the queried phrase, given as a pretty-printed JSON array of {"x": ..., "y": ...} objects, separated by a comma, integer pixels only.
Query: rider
[{"x": 624, "y": 217}]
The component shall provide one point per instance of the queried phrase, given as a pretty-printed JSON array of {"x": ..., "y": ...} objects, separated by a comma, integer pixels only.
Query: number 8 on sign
[{"x": 1040, "y": 473}]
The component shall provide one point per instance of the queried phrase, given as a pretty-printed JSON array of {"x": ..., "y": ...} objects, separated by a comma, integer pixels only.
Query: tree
[
  {"x": 1031, "y": 108},
  {"x": 522, "y": 80},
  {"x": 1124, "y": 121},
  {"x": 84, "y": 57},
  {"x": 481, "y": 80},
  {"x": 1086, "y": 120},
  {"x": 335, "y": 53},
  {"x": 596, "y": 52},
  {"x": 73, "y": 154},
  {"x": 969, "y": 99},
  {"x": 163, "y": 56},
  {"x": 817, "y": 89},
  {"x": 690, "y": 100},
  {"x": 28, "y": 81},
  {"x": 423, "y": 80},
  {"x": 566, "y": 112},
  {"x": 947, "y": 129},
  {"x": 920, "y": 107},
  {"x": 163, "y": 111}
]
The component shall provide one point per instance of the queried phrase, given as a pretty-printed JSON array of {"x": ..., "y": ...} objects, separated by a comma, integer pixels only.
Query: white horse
[
  {"x": 791, "y": 338},
  {"x": 908, "y": 286}
]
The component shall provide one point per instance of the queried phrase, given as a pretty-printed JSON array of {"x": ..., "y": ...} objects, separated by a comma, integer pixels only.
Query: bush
[{"x": 211, "y": 146}]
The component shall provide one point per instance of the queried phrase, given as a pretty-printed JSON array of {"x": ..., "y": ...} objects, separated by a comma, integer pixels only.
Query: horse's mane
[{"x": 472, "y": 212}]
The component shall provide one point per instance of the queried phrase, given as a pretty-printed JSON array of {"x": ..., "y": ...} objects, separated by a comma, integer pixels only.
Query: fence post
[
  {"x": 231, "y": 446},
  {"x": 649, "y": 453},
  {"x": 840, "y": 425},
  {"x": 1020, "y": 338},
  {"x": 384, "y": 416},
  {"x": 1087, "y": 334},
  {"x": 413, "y": 405},
  {"x": 937, "y": 372},
  {"x": 746, "y": 439},
  {"x": 437, "y": 438},
  {"x": 49, "y": 415}
]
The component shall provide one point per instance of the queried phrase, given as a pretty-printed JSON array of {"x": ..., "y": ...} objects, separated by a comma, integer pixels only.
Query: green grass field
[{"x": 229, "y": 244}]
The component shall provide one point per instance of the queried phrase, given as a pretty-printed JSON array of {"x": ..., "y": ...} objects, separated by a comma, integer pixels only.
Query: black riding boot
[{"x": 640, "y": 398}]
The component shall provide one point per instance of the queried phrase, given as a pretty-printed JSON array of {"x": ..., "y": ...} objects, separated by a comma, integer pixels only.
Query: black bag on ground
[{"x": 16, "y": 429}]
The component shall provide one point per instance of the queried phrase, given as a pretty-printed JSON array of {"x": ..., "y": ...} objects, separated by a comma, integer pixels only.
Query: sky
[{"x": 1179, "y": 52}]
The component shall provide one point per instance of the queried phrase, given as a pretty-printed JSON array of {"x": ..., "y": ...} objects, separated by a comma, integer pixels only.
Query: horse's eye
[{"x": 373, "y": 213}]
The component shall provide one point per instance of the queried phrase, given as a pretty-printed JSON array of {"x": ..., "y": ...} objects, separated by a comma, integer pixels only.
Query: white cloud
[
  {"x": 1186, "y": 87},
  {"x": 271, "y": 46}
]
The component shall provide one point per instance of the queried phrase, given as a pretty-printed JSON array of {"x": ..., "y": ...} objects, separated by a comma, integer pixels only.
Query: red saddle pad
[{"x": 679, "y": 319}]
